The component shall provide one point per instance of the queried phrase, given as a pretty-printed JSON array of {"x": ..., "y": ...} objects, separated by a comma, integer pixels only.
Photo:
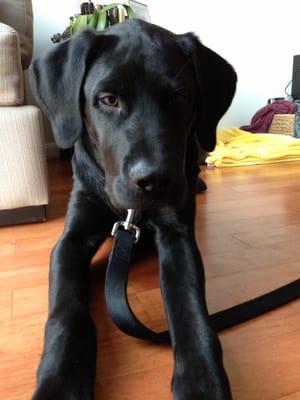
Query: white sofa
[{"x": 23, "y": 168}]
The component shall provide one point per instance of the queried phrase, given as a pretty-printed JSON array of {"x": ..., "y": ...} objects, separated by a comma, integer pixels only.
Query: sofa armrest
[
  {"x": 18, "y": 14},
  {"x": 11, "y": 73},
  {"x": 23, "y": 168}
]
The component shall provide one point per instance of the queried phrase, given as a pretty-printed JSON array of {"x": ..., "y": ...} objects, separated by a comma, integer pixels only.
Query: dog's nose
[{"x": 150, "y": 177}]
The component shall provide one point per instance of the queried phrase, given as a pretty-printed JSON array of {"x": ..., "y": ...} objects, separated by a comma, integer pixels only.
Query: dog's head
[{"x": 141, "y": 92}]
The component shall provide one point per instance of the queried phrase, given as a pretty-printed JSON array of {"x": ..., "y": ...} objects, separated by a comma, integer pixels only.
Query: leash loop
[
  {"x": 128, "y": 225},
  {"x": 126, "y": 234}
]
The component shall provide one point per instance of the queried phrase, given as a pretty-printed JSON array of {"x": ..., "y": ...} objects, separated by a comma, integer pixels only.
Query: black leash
[{"x": 126, "y": 234}]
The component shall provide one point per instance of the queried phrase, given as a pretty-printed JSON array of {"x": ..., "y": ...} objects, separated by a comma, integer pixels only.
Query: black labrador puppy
[{"x": 138, "y": 102}]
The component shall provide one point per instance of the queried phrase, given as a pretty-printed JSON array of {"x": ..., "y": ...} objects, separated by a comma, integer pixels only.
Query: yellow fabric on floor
[{"x": 236, "y": 147}]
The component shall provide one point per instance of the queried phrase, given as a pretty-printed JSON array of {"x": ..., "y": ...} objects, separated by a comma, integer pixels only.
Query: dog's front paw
[
  {"x": 63, "y": 389},
  {"x": 68, "y": 382},
  {"x": 198, "y": 391},
  {"x": 198, "y": 383},
  {"x": 187, "y": 390},
  {"x": 67, "y": 367}
]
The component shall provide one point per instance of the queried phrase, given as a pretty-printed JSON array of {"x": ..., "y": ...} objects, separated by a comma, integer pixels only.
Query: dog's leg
[
  {"x": 67, "y": 367},
  {"x": 199, "y": 373}
]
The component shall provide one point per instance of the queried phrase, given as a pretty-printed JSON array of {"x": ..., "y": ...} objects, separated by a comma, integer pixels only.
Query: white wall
[
  {"x": 51, "y": 16},
  {"x": 258, "y": 37}
]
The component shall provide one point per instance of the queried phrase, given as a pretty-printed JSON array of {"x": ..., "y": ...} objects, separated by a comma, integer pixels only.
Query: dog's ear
[
  {"x": 216, "y": 83},
  {"x": 56, "y": 79}
]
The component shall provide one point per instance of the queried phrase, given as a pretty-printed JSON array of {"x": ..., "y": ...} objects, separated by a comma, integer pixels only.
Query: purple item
[{"x": 262, "y": 119}]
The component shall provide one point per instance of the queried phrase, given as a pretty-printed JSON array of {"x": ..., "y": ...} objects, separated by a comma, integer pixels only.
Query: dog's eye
[
  {"x": 179, "y": 98},
  {"x": 110, "y": 100}
]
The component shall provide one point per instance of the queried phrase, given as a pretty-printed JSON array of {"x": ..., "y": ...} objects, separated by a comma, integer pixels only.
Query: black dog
[{"x": 137, "y": 101}]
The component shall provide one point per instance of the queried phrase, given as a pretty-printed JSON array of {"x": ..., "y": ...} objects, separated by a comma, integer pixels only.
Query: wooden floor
[{"x": 248, "y": 230}]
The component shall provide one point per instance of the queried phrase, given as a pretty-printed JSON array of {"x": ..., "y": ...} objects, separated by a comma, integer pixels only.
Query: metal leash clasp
[{"x": 128, "y": 225}]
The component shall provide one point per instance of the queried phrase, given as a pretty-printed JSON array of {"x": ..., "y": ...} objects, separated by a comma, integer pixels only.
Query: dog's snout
[{"x": 150, "y": 177}]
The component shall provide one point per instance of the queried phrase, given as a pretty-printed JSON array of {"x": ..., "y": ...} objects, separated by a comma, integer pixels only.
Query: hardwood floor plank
[
  {"x": 30, "y": 300},
  {"x": 35, "y": 243},
  {"x": 148, "y": 385},
  {"x": 292, "y": 396},
  {"x": 268, "y": 348},
  {"x": 7, "y": 248},
  {"x": 20, "y": 349},
  {"x": 31, "y": 276},
  {"x": 5, "y": 303}
]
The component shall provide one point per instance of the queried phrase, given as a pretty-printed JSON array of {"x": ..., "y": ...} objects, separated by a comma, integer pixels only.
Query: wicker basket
[{"x": 283, "y": 124}]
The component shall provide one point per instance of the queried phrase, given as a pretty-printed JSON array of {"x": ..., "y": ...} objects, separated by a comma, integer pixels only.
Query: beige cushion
[
  {"x": 18, "y": 14},
  {"x": 11, "y": 73},
  {"x": 23, "y": 169}
]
